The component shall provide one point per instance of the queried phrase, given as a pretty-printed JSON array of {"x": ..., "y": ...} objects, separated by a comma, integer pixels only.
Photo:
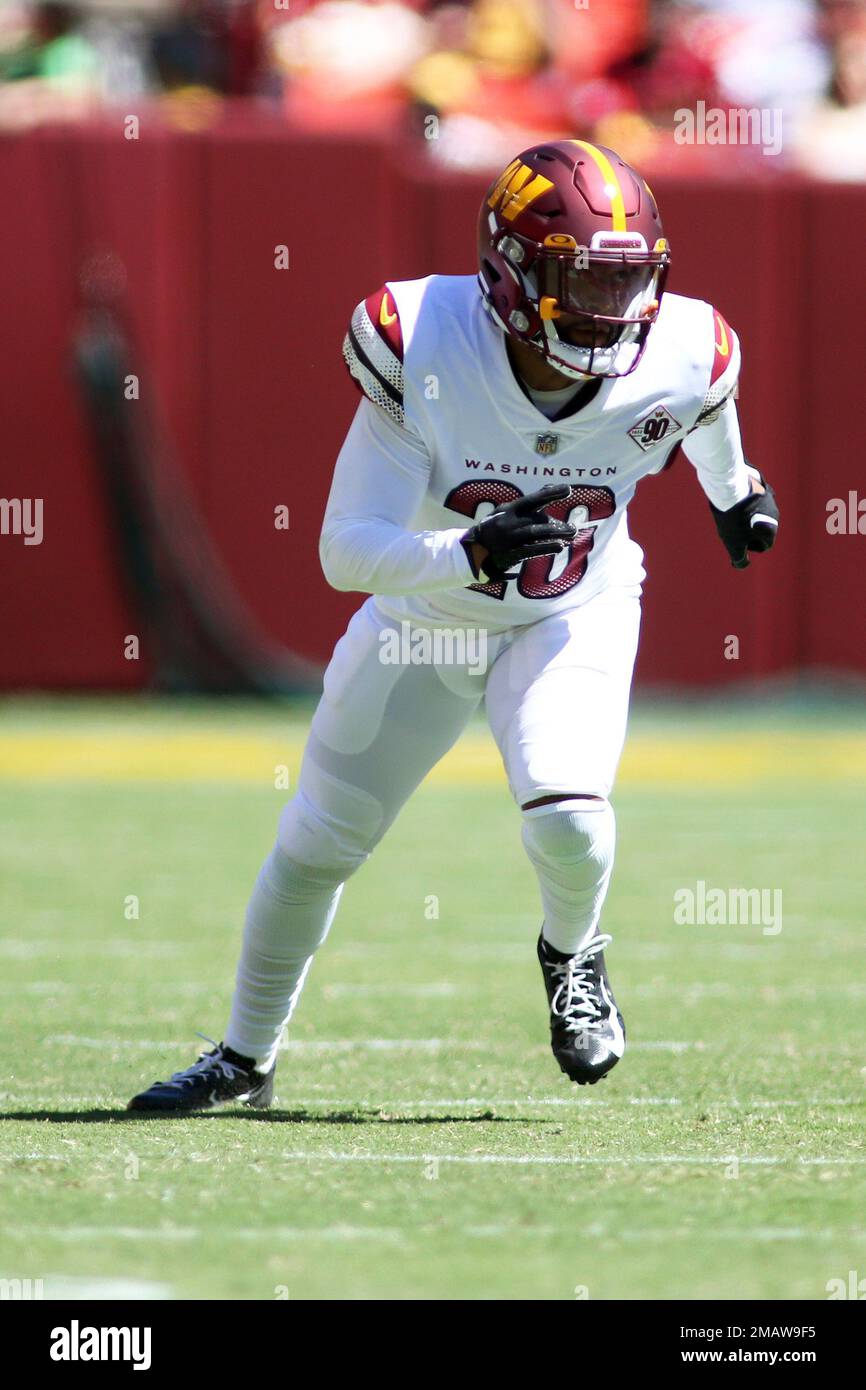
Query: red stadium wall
[{"x": 243, "y": 363}]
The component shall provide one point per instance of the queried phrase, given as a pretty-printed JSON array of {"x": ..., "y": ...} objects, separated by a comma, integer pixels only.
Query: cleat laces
[
  {"x": 575, "y": 999},
  {"x": 208, "y": 1062}
]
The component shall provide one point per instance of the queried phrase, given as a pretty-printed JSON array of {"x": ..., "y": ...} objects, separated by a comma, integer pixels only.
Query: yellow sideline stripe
[{"x": 221, "y": 756}]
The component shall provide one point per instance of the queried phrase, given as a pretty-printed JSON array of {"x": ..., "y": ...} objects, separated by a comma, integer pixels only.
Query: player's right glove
[
  {"x": 518, "y": 530},
  {"x": 749, "y": 525}
]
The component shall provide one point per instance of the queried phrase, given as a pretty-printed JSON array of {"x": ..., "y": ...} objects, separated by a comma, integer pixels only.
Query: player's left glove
[
  {"x": 750, "y": 524},
  {"x": 518, "y": 530}
]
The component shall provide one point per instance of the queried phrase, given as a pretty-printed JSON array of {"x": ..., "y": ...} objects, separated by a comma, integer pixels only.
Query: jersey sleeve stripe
[
  {"x": 724, "y": 372},
  {"x": 374, "y": 365}
]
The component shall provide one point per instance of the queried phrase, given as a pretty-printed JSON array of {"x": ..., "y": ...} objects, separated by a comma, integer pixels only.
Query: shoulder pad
[
  {"x": 373, "y": 352},
  {"x": 724, "y": 373}
]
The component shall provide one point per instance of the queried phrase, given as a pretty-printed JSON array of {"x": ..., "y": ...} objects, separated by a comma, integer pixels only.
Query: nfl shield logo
[{"x": 546, "y": 443}]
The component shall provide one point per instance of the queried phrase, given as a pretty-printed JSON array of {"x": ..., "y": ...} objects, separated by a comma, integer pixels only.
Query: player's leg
[
  {"x": 557, "y": 701},
  {"x": 377, "y": 731}
]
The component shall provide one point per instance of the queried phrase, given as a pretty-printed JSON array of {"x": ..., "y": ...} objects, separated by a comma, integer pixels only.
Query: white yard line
[
  {"x": 59, "y": 1287},
  {"x": 44, "y": 987},
  {"x": 62, "y": 948},
  {"x": 444, "y": 989},
  {"x": 388, "y": 1234},
  {"x": 49, "y": 987},
  {"x": 107, "y": 1044},
  {"x": 324, "y": 1045},
  {"x": 569, "y": 1160},
  {"x": 566, "y": 1102},
  {"x": 110, "y": 1100},
  {"x": 508, "y": 1160},
  {"x": 57, "y": 1098},
  {"x": 475, "y": 1102},
  {"x": 689, "y": 938},
  {"x": 690, "y": 993},
  {"x": 57, "y": 1232},
  {"x": 693, "y": 991},
  {"x": 313, "y": 1046}
]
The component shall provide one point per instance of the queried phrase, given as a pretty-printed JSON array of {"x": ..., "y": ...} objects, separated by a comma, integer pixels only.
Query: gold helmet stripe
[{"x": 612, "y": 184}]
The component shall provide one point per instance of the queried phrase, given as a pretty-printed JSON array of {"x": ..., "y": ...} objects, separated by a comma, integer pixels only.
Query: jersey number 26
[{"x": 582, "y": 505}]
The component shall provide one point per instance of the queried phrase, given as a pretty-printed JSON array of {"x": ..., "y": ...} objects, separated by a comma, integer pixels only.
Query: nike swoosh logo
[
  {"x": 385, "y": 318},
  {"x": 723, "y": 347},
  {"x": 617, "y": 1044}
]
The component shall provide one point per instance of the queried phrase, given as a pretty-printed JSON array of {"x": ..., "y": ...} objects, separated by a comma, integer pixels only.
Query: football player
[{"x": 504, "y": 424}]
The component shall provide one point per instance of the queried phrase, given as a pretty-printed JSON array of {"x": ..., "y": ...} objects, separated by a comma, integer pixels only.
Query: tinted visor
[{"x": 609, "y": 288}]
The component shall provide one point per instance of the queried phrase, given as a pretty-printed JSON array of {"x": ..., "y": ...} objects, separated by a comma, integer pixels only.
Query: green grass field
[{"x": 424, "y": 1144}]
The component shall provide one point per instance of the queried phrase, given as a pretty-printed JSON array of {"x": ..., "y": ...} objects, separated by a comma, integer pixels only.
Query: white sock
[
  {"x": 288, "y": 917},
  {"x": 571, "y": 845}
]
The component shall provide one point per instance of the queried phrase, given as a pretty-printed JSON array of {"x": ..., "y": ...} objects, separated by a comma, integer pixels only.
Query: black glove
[
  {"x": 520, "y": 529},
  {"x": 748, "y": 525}
]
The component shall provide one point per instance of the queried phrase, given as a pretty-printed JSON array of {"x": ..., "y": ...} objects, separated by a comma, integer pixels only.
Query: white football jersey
[{"x": 451, "y": 435}]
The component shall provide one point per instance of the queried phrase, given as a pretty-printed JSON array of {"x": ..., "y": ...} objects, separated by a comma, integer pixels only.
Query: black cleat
[
  {"x": 587, "y": 1033},
  {"x": 221, "y": 1077}
]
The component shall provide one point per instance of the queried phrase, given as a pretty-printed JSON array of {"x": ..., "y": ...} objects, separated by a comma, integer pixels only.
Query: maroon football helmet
[{"x": 573, "y": 259}]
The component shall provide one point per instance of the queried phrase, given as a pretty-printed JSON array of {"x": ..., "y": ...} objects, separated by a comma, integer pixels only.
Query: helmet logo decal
[
  {"x": 513, "y": 194},
  {"x": 612, "y": 187}
]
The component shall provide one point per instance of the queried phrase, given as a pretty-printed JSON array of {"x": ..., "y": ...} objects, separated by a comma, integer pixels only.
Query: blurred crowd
[{"x": 474, "y": 79}]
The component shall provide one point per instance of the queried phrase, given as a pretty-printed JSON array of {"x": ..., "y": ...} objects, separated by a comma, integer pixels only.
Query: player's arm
[
  {"x": 742, "y": 503},
  {"x": 367, "y": 544}
]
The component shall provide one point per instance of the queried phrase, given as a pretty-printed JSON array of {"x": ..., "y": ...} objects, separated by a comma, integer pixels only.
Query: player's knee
[
  {"x": 286, "y": 883},
  {"x": 559, "y": 797},
  {"x": 333, "y": 838},
  {"x": 571, "y": 832}
]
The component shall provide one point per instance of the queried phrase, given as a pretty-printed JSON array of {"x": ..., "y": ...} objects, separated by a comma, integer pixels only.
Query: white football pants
[{"x": 556, "y": 694}]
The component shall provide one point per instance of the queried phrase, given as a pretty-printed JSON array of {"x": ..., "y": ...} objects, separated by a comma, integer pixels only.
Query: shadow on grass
[{"x": 297, "y": 1117}]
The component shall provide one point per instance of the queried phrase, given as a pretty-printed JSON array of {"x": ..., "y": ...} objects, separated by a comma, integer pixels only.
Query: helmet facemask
[
  {"x": 596, "y": 311},
  {"x": 593, "y": 306}
]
